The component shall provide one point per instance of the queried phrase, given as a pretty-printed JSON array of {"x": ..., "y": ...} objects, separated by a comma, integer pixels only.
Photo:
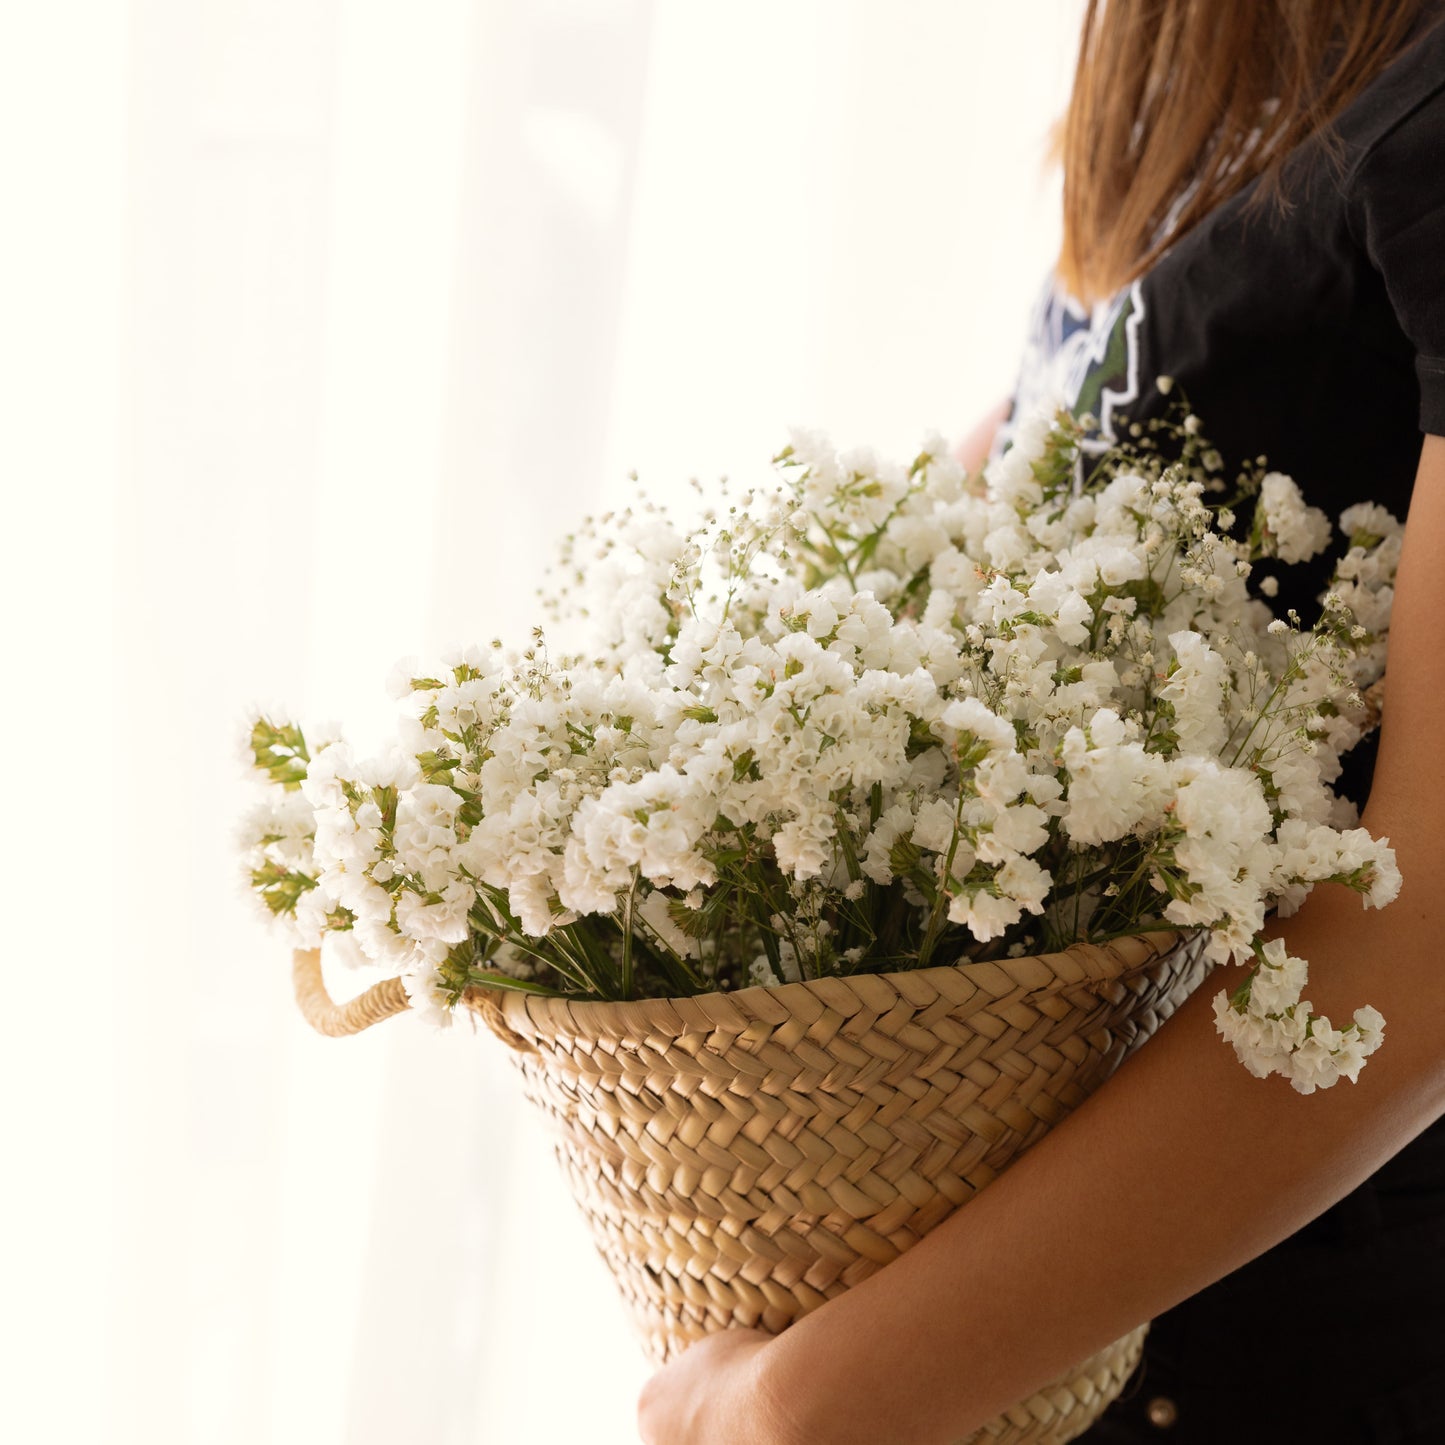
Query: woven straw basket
[{"x": 744, "y": 1157}]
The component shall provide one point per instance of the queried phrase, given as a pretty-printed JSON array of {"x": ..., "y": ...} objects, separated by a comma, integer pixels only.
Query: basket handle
[
  {"x": 380, "y": 1001},
  {"x": 337, "y": 1020}
]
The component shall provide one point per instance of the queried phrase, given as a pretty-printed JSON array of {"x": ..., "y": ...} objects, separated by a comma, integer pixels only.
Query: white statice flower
[
  {"x": 1099, "y": 560},
  {"x": 919, "y": 538},
  {"x": 279, "y": 869},
  {"x": 427, "y": 995},
  {"x": 866, "y": 627},
  {"x": 1010, "y": 477},
  {"x": 1025, "y": 882},
  {"x": 343, "y": 949},
  {"x": 1370, "y": 1023},
  {"x": 469, "y": 704},
  {"x": 655, "y": 914},
  {"x": 424, "y": 833},
  {"x": 381, "y": 942},
  {"x": 1370, "y": 521},
  {"x": 789, "y": 965},
  {"x": 1275, "y": 1031},
  {"x": 1279, "y": 982},
  {"x": 1073, "y": 614},
  {"x": 1114, "y": 788},
  {"x": 1003, "y": 833},
  {"x": 959, "y": 576},
  {"x": 804, "y": 845},
  {"x": 651, "y": 827},
  {"x": 1008, "y": 545},
  {"x": 390, "y": 769},
  {"x": 1117, "y": 506},
  {"x": 1262, "y": 1045},
  {"x": 444, "y": 921},
  {"x": 1306, "y": 854},
  {"x": 1298, "y": 784},
  {"x": 1294, "y": 531},
  {"x": 935, "y": 824},
  {"x": 1198, "y": 691},
  {"x": 895, "y": 825},
  {"x": 1221, "y": 823},
  {"x": 532, "y": 896},
  {"x": 1384, "y": 876},
  {"x": 1000, "y": 602},
  {"x": 985, "y": 915},
  {"x": 280, "y": 828},
  {"x": 761, "y": 975},
  {"x": 969, "y": 715},
  {"x": 350, "y": 847}
]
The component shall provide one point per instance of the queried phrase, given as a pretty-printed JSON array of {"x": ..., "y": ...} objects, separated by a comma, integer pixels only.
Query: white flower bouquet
[
  {"x": 875, "y": 820},
  {"x": 871, "y": 718}
]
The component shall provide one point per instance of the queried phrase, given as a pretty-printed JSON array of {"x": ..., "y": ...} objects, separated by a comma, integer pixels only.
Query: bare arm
[
  {"x": 973, "y": 450},
  {"x": 1180, "y": 1169}
]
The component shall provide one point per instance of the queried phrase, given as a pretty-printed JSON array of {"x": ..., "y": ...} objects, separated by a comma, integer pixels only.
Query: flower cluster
[{"x": 870, "y": 717}]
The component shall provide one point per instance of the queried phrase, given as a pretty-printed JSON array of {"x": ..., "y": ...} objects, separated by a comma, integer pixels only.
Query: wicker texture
[{"x": 743, "y": 1157}]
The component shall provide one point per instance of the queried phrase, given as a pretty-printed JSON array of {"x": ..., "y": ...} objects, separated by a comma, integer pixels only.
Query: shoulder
[
  {"x": 1402, "y": 109},
  {"x": 1394, "y": 201}
]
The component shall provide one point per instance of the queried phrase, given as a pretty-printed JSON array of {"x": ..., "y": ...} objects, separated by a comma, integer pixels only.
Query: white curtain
[{"x": 322, "y": 318}]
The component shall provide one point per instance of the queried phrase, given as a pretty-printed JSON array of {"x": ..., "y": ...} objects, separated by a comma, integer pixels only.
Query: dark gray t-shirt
[{"x": 1315, "y": 337}]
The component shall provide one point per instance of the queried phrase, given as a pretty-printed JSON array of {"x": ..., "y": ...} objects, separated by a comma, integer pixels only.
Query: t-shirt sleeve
[{"x": 1397, "y": 195}]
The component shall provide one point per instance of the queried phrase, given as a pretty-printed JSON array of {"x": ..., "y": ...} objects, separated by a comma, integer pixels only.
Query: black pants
[{"x": 1336, "y": 1336}]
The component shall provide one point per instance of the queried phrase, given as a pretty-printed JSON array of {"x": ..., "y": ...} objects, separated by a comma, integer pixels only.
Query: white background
[{"x": 319, "y": 320}]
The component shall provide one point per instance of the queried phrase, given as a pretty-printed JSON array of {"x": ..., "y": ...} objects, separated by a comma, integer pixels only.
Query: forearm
[{"x": 1179, "y": 1170}]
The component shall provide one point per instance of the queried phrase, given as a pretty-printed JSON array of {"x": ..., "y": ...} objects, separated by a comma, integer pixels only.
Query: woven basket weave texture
[{"x": 744, "y": 1157}]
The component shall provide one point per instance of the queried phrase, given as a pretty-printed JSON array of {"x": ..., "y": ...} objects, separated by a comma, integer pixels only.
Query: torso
[{"x": 1287, "y": 340}]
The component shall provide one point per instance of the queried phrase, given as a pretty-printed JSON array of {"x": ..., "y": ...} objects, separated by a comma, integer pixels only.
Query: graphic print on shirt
[{"x": 1083, "y": 359}]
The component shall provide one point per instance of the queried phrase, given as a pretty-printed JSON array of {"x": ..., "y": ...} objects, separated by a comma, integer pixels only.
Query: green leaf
[
  {"x": 279, "y": 751},
  {"x": 280, "y": 888},
  {"x": 904, "y": 855},
  {"x": 436, "y": 768},
  {"x": 920, "y": 738},
  {"x": 1147, "y": 593},
  {"x": 490, "y": 978},
  {"x": 700, "y": 922}
]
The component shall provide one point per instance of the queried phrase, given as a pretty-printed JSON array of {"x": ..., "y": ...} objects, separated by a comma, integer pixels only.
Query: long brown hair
[{"x": 1178, "y": 104}]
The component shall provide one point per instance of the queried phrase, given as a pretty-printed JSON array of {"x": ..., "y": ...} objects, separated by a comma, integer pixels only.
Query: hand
[{"x": 714, "y": 1394}]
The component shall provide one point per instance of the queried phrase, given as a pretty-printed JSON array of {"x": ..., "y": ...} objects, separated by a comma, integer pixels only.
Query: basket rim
[{"x": 520, "y": 1018}]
